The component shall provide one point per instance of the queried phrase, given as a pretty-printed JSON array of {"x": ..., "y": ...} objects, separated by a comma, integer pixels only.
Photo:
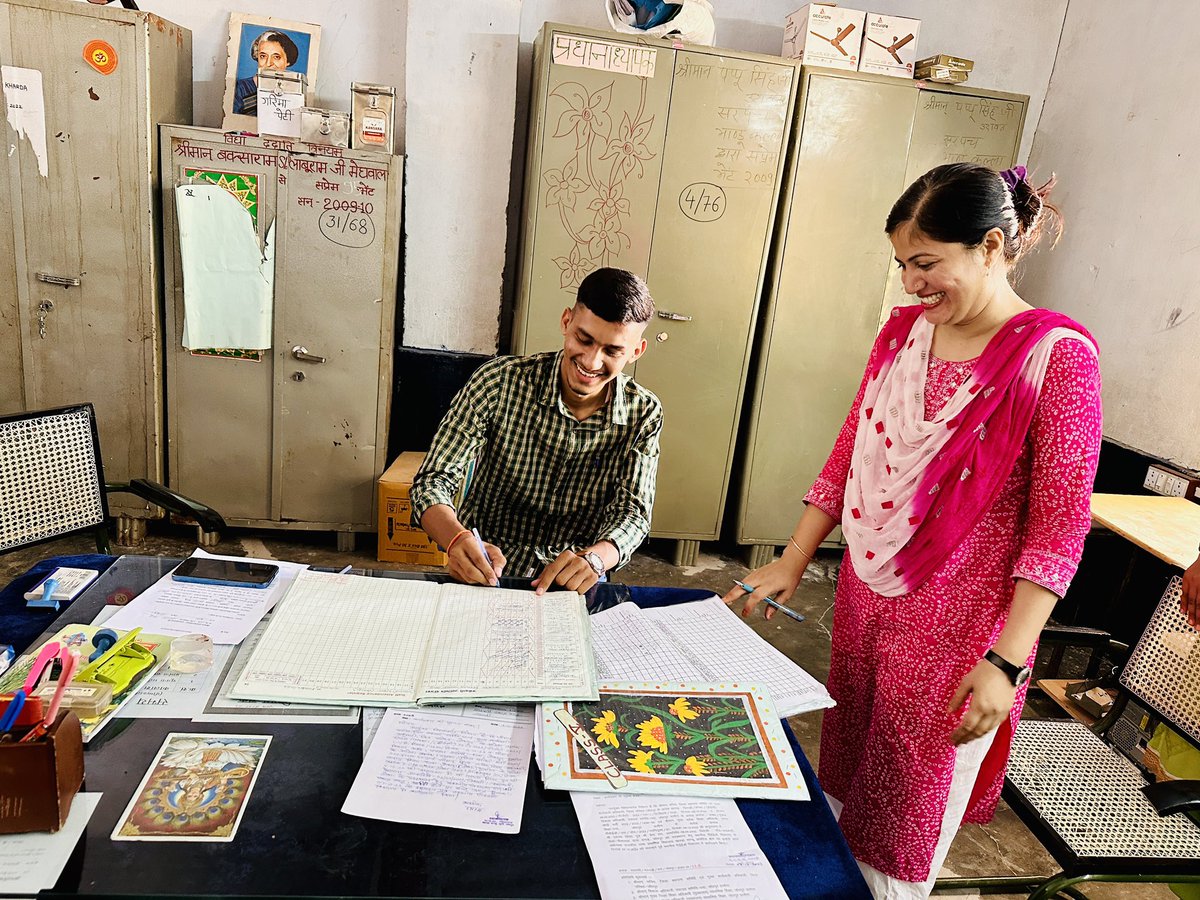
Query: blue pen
[
  {"x": 483, "y": 549},
  {"x": 771, "y": 601}
]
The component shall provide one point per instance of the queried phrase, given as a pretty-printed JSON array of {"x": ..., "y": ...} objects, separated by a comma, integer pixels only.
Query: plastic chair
[
  {"x": 52, "y": 481},
  {"x": 1084, "y": 792}
]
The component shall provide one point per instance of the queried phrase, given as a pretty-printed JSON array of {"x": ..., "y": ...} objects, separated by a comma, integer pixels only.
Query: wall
[
  {"x": 460, "y": 266},
  {"x": 1125, "y": 143},
  {"x": 360, "y": 41}
]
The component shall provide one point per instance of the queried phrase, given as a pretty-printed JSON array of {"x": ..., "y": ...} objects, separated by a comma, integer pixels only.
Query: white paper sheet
[
  {"x": 27, "y": 109},
  {"x": 32, "y": 862},
  {"x": 703, "y": 641},
  {"x": 455, "y": 766},
  {"x": 228, "y": 280},
  {"x": 176, "y": 695},
  {"x": 226, "y": 614},
  {"x": 673, "y": 848}
]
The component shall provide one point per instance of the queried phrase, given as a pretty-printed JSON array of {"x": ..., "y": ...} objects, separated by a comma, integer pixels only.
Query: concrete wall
[
  {"x": 1125, "y": 142},
  {"x": 360, "y": 41}
]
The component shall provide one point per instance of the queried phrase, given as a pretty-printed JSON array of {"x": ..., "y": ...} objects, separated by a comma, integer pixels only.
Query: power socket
[{"x": 1170, "y": 483}]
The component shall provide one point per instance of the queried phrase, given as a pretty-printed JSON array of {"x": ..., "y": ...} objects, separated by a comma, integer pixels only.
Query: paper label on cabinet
[
  {"x": 26, "y": 109},
  {"x": 573, "y": 50}
]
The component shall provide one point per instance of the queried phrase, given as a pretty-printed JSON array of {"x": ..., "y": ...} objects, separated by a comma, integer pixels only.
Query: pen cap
[{"x": 39, "y": 779}]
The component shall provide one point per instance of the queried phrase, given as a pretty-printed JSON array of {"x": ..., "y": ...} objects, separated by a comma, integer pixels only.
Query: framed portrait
[{"x": 263, "y": 42}]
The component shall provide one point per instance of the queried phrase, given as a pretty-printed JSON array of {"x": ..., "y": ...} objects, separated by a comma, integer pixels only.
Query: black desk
[{"x": 294, "y": 841}]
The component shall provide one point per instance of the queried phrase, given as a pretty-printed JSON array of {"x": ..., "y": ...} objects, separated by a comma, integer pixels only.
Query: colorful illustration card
[
  {"x": 80, "y": 637},
  {"x": 688, "y": 739},
  {"x": 195, "y": 790}
]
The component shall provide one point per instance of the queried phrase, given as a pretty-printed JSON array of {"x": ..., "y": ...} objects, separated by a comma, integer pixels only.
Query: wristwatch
[
  {"x": 1018, "y": 675},
  {"x": 593, "y": 559}
]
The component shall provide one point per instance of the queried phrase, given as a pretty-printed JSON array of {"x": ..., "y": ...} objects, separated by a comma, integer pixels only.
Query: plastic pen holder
[{"x": 39, "y": 778}]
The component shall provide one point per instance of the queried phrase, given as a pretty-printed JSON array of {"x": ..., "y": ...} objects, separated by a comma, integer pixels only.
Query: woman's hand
[
  {"x": 992, "y": 696},
  {"x": 1189, "y": 602},
  {"x": 778, "y": 579}
]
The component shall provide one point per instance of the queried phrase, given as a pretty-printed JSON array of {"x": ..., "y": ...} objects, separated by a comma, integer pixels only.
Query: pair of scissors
[
  {"x": 69, "y": 664},
  {"x": 48, "y": 653}
]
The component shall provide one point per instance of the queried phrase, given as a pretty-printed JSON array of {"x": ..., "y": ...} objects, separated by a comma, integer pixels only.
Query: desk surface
[
  {"x": 295, "y": 841},
  {"x": 1168, "y": 527}
]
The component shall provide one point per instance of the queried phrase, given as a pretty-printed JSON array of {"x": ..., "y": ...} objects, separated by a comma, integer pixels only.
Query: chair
[
  {"x": 1084, "y": 792},
  {"x": 52, "y": 481}
]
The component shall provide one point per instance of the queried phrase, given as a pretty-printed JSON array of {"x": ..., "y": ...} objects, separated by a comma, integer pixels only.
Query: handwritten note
[
  {"x": 457, "y": 766},
  {"x": 32, "y": 862},
  {"x": 588, "y": 53}
]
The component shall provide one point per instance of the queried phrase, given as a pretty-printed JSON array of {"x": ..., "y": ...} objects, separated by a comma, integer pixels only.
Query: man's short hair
[{"x": 616, "y": 295}]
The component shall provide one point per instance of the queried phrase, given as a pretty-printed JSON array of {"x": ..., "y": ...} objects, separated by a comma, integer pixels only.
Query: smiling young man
[{"x": 565, "y": 447}]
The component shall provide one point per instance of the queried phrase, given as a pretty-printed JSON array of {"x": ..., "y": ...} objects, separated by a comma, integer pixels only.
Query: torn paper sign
[
  {"x": 228, "y": 280},
  {"x": 26, "y": 109}
]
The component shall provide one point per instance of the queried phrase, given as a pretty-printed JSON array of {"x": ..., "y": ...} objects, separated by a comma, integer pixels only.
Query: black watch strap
[{"x": 1013, "y": 671}]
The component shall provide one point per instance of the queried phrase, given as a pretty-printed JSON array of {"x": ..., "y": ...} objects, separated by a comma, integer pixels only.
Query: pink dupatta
[{"x": 916, "y": 488}]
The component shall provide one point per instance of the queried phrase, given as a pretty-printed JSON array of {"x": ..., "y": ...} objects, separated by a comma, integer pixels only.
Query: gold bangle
[{"x": 792, "y": 541}]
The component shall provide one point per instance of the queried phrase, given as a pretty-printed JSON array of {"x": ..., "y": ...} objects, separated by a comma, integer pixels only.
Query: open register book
[{"x": 386, "y": 642}]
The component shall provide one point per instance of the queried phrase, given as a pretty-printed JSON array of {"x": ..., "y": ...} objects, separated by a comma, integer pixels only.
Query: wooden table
[{"x": 1168, "y": 527}]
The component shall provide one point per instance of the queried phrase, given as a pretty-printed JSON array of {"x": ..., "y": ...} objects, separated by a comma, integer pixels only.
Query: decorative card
[
  {"x": 195, "y": 790},
  {"x": 686, "y": 738}
]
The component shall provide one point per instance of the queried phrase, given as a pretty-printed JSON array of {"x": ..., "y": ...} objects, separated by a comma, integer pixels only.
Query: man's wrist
[{"x": 592, "y": 558}]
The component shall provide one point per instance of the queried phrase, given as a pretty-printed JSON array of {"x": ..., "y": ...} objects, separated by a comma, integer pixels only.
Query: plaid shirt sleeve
[
  {"x": 626, "y": 519},
  {"x": 461, "y": 433}
]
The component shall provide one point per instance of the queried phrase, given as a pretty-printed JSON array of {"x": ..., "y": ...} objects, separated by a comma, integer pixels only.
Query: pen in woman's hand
[{"x": 771, "y": 601}]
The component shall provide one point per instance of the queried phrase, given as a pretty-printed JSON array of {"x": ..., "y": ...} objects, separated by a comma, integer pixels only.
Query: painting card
[
  {"x": 195, "y": 790},
  {"x": 686, "y": 739}
]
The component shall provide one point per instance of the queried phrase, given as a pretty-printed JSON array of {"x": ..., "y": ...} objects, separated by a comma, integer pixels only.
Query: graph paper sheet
[
  {"x": 383, "y": 642},
  {"x": 702, "y": 641}
]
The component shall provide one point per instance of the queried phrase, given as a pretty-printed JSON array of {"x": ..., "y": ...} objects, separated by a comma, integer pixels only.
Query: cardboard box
[
  {"x": 824, "y": 34},
  {"x": 941, "y": 74},
  {"x": 889, "y": 45},
  {"x": 399, "y": 541},
  {"x": 945, "y": 59}
]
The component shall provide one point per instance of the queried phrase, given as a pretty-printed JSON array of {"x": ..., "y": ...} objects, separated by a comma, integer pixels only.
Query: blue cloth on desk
[{"x": 20, "y": 625}]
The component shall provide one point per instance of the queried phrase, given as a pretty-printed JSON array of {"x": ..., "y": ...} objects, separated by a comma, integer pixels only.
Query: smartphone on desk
[{"x": 232, "y": 573}]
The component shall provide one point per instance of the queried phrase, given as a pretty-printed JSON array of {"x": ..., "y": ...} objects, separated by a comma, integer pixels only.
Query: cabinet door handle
[
  {"x": 63, "y": 280},
  {"x": 674, "y": 317},
  {"x": 302, "y": 353}
]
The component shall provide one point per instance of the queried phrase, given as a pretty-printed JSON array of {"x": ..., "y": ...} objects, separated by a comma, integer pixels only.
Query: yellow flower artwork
[
  {"x": 694, "y": 766},
  {"x": 682, "y": 710},
  {"x": 652, "y": 733},
  {"x": 639, "y": 761},
  {"x": 603, "y": 729}
]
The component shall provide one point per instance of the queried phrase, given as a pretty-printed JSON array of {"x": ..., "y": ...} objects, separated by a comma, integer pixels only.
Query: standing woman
[{"x": 961, "y": 479}]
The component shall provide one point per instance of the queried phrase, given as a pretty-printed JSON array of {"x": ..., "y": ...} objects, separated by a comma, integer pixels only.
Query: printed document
[
  {"x": 703, "y": 641},
  {"x": 225, "y": 614},
  {"x": 456, "y": 766},
  {"x": 387, "y": 642},
  {"x": 33, "y": 861},
  {"x": 673, "y": 848}
]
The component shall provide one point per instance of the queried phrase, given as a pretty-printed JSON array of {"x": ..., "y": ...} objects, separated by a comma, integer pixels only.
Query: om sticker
[{"x": 101, "y": 56}]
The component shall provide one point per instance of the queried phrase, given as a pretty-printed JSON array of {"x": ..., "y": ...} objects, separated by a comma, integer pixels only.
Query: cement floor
[{"x": 1003, "y": 847}]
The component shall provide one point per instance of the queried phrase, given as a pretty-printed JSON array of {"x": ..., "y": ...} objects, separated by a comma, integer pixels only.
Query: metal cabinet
[
  {"x": 293, "y": 436},
  {"x": 665, "y": 160},
  {"x": 79, "y": 277},
  {"x": 861, "y": 139}
]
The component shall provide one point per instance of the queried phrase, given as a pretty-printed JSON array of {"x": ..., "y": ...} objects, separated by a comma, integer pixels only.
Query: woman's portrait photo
[{"x": 259, "y": 42}]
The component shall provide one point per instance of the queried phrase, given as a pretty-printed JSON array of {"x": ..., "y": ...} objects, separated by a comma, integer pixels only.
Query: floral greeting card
[{"x": 698, "y": 740}]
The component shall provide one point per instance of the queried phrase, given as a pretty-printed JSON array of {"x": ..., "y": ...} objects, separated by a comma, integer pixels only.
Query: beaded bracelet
[{"x": 454, "y": 540}]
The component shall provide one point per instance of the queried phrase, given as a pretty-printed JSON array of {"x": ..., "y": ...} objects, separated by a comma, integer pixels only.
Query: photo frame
[{"x": 294, "y": 49}]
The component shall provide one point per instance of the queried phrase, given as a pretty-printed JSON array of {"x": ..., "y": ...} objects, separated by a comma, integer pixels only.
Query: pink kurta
[{"x": 896, "y": 661}]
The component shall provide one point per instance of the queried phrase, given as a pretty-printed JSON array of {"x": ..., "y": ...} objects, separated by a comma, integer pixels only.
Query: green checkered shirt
[{"x": 544, "y": 481}]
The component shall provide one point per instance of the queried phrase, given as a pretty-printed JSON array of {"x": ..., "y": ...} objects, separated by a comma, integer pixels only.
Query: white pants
[{"x": 967, "y": 761}]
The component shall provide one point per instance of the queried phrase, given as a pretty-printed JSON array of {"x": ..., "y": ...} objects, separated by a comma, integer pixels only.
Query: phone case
[{"x": 195, "y": 579}]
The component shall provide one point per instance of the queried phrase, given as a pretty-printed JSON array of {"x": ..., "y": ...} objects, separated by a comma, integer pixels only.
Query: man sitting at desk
[{"x": 566, "y": 451}]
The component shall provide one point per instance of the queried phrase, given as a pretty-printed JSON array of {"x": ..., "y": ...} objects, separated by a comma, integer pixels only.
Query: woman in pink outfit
[{"x": 961, "y": 479}]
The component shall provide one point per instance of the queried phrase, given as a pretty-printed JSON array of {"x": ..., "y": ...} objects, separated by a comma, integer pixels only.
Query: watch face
[{"x": 1022, "y": 676}]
